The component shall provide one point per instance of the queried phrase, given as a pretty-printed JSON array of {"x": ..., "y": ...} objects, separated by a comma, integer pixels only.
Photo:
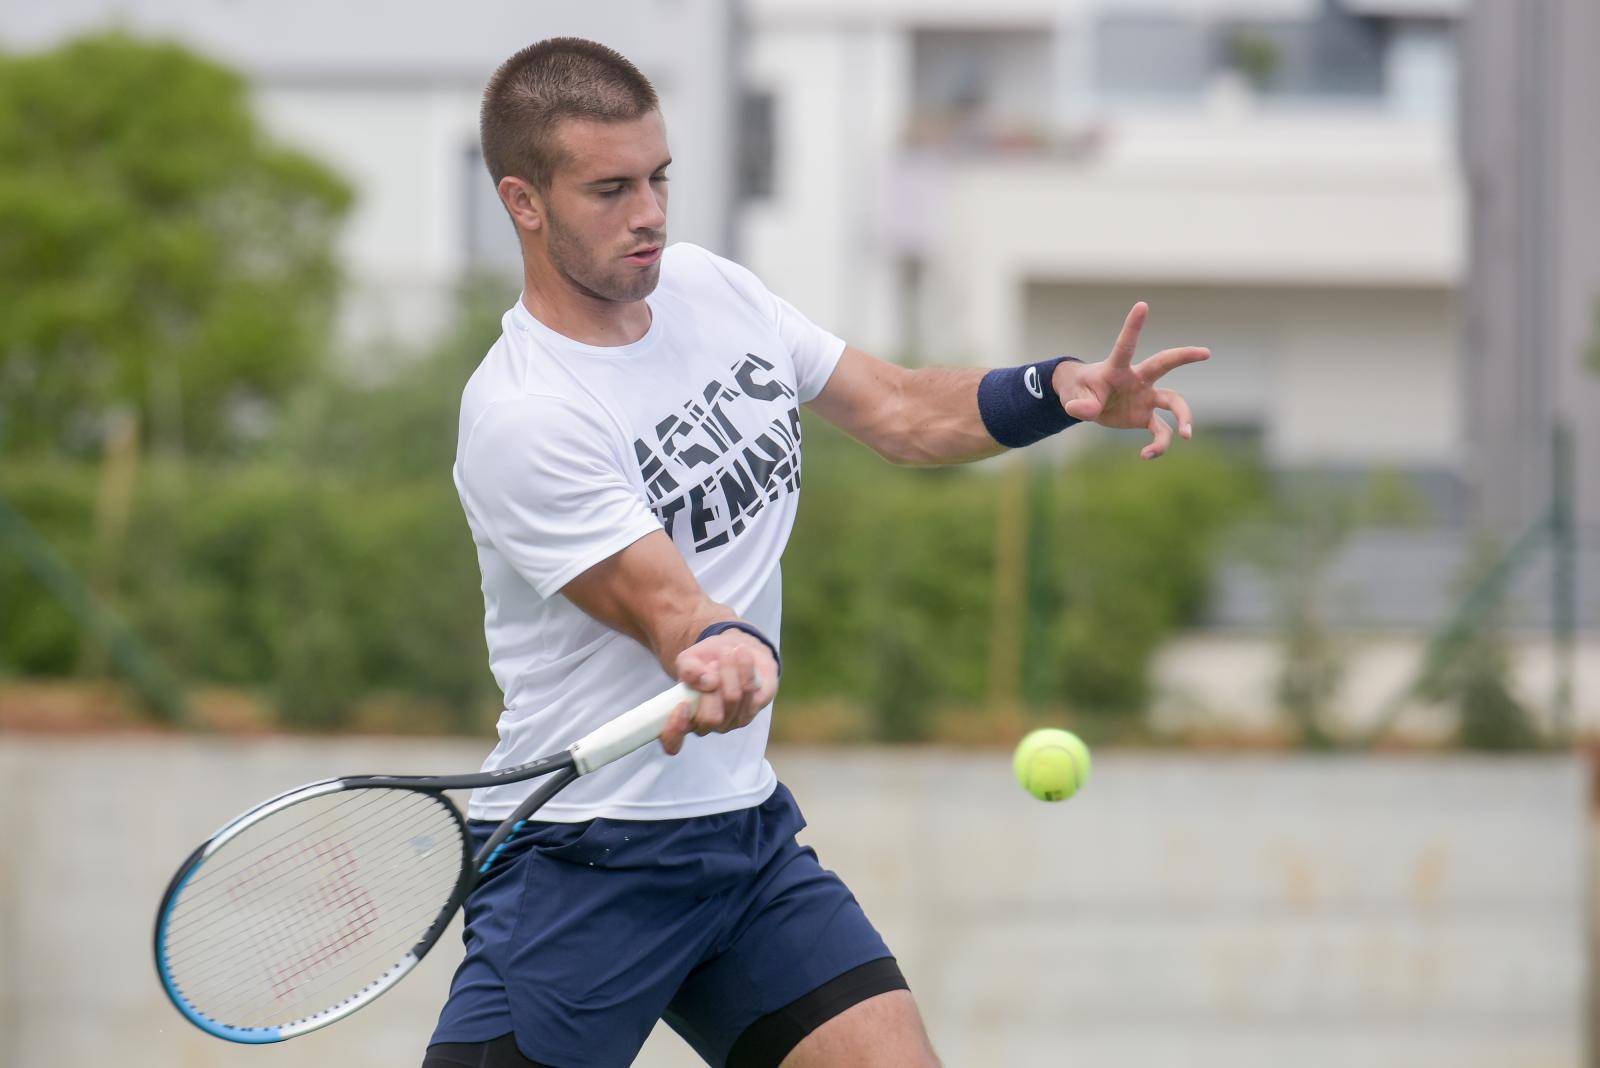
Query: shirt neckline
[{"x": 530, "y": 323}]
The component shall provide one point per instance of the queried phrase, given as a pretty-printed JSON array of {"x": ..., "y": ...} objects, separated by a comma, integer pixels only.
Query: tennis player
[{"x": 629, "y": 463}]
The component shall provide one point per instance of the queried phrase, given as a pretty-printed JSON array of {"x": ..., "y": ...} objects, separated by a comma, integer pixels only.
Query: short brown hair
[{"x": 555, "y": 79}]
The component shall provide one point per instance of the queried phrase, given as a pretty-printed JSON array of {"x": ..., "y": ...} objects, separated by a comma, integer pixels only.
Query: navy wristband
[
  {"x": 750, "y": 629},
  {"x": 1019, "y": 405}
]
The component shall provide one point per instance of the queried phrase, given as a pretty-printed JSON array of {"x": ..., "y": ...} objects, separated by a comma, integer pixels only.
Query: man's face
[{"x": 606, "y": 209}]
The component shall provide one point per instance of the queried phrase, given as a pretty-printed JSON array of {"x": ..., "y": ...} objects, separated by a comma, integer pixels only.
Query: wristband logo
[{"x": 1030, "y": 378}]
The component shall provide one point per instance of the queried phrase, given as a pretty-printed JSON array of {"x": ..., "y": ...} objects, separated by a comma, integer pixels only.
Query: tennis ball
[{"x": 1051, "y": 764}]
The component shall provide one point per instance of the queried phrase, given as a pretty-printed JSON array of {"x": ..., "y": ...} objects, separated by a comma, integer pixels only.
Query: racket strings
[
  {"x": 303, "y": 910},
  {"x": 335, "y": 890},
  {"x": 292, "y": 952},
  {"x": 345, "y": 909},
  {"x": 201, "y": 893},
  {"x": 350, "y": 980},
  {"x": 265, "y": 925},
  {"x": 280, "y": 944},
  {"x": 285, "y": 829}
]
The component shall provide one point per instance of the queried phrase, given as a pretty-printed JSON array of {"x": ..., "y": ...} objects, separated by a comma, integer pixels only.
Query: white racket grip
[{"x": 629, "y": 731}]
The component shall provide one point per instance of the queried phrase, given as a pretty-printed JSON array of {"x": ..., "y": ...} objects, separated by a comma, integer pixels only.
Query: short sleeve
[
  {"x": 815, "y": 351},
  {"x": 545, "y": 485}
]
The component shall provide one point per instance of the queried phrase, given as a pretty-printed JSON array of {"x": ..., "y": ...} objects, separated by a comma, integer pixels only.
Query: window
[
  {"x": 757, "y": 144},
  {"x": 1152, "y": 56},
  {"x": 981, "y": 88}
]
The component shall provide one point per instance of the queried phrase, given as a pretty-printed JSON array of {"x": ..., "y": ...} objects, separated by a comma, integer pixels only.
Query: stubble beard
[{"x": 619, "y": 281}]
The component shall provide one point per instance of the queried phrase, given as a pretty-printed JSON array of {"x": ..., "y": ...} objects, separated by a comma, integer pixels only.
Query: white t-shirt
[{"x": 568, "y": 453}]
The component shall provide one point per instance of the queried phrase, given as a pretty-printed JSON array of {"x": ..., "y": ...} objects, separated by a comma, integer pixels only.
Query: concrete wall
[
  {"x": 1184, "y": 910},
  {"x": 1227, "y": 683}
]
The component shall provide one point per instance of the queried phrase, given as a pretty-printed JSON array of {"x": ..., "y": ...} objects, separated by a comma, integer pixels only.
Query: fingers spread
[
  {"x": 1128, "y": 340},
  {"x": 1168, "y": 359},
  {"x": 1173, "y": 401},
  {"x": 1162, "y": 434}
]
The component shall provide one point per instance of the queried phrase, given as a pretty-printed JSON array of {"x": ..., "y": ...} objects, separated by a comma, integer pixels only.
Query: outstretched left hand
[{"x": 1117, "y": 393}]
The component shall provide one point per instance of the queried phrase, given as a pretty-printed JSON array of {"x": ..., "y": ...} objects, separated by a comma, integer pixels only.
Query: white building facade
[{"x": 1278, "y": 178}]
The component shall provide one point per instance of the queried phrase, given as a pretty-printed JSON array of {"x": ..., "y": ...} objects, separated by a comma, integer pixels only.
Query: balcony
[{"x": 1231, "y": 193}]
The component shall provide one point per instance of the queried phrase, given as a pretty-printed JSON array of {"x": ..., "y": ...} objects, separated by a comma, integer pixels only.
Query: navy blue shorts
[{"x": 585, "y": 934}]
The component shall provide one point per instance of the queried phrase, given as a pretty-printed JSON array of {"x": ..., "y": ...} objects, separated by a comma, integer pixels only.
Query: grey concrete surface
[{"x": 1185, "y": 910}]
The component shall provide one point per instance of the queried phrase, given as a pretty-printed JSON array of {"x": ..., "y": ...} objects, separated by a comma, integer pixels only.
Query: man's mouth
[{"x": 645, "y": 255}]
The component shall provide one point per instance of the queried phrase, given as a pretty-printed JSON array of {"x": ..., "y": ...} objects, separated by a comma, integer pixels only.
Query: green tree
[{"x": 158, "y": 251}]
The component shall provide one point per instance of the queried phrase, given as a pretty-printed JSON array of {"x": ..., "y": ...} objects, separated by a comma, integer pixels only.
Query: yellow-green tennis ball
[{"x": 1051, "y": 764}]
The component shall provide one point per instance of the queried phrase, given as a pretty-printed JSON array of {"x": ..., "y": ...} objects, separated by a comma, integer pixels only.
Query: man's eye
[
  {"x": 611, "y": 192},
  {"x": 659, "y": 178}
]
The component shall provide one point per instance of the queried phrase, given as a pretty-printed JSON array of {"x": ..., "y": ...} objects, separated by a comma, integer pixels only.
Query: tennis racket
[{"x": 313, "y": 903}]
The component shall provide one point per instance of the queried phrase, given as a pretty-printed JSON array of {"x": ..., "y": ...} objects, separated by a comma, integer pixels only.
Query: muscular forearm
[
  {"x": 665, "y": 620},
  {"x": 647, "y": 592},
  {"x": 938, "y": 420},
  {"x": 932, "y": 416},
  {"x": 953, "y": 415}
]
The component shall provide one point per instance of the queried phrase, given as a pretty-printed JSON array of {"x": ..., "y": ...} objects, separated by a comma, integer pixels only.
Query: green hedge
[
  {"x": 313, "y": 588},
  {"x": 323, "y": 588},
  {"x": 890, "y": 590}
]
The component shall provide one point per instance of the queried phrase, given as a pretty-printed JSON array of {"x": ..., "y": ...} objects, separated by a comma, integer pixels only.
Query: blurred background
[{"x": 1339, "y": 656}]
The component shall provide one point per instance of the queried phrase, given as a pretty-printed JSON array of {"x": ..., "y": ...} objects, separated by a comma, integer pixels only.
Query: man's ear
[{"x": 523, "y": 202}]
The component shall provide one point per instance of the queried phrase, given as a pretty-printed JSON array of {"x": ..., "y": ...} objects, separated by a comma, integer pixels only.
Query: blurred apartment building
[
  {"x": 998, "y": 182},
  {"x": 1282, "y": 180}
]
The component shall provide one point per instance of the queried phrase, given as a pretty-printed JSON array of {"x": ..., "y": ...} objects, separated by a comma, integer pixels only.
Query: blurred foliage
[
  {"x": 1471, "y": 671},
  {"x": 158, "y": 251},
  {"x": 1254, "y": 55},
  {"x": 331, "y": 569},
  {"x": 1311, "y": 521},
  {"x": 890, "y": 595},
  {"x": 335, "y": 571},
  {"x": 318, "y": 589},
  {"x": 403, "y": 428},
  {"x": 1135, "y": 544}
]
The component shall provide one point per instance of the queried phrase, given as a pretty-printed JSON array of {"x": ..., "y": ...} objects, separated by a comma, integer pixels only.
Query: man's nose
[{"x": 649, "y": 213}]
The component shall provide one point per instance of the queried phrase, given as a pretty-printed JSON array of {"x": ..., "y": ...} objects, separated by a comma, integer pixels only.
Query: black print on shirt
[{"x": 703, "y": 470}]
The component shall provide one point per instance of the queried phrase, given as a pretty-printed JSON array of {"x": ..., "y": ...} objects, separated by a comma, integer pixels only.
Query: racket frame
[{"x": 611, "y": 741}]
